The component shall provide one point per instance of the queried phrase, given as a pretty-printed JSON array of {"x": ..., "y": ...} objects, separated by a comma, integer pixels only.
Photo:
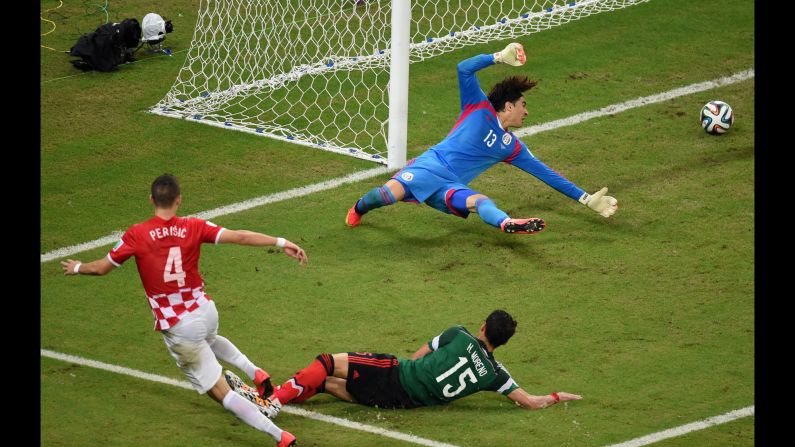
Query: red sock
[{"x": 307, "y": 382}]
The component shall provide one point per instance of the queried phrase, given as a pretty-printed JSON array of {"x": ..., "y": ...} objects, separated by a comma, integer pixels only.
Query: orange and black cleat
[
  {"x": 265, "y": 406},
  {"x": 288, "y": 440},
  {"x": 262, "y": 380},
  {"x": 523, "y": 226},
  {"x": 353, "y": 219}
]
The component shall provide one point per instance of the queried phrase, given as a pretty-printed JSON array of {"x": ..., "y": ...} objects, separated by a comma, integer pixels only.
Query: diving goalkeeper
[{"x": 479, "y": 140}]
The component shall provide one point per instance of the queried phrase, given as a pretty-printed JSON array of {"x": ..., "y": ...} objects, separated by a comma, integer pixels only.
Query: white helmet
[{"x": 153, "y": 28}]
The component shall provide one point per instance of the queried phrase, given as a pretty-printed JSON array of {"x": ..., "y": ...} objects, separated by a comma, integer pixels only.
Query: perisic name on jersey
[{"x": 172, "y": 231}]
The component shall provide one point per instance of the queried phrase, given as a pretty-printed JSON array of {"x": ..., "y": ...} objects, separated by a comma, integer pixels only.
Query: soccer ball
[{"x": 716, "y": 117}]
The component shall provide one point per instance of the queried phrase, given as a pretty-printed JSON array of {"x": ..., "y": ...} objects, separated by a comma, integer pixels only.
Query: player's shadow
[
  {"x": 455, "y": 233},
  {"x": 473, "y": 404},
  {"x": 401, "y": 239}
]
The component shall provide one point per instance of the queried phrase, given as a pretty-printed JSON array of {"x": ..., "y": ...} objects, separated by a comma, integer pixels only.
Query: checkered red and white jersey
[{"x": 167, "y": 255}]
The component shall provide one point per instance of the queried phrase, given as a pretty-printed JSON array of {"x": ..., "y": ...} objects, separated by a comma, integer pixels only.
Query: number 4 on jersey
[{"x": 174, "y": 262}]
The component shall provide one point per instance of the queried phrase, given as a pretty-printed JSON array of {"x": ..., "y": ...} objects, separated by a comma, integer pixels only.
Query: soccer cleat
[
  {"x": 288, "y": 440},
  {"x": 353, "y": 219},
  {"x": 273, "y": 407},
  {"x": 262, "y": 380},
  {"x": 265, "y": 406},
  {"x": 523, "y": 226},
  {"x": 233, "y": 380}
]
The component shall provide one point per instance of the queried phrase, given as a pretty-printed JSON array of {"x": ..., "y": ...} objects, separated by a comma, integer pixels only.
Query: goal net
[{"x": 317, "y": 72}]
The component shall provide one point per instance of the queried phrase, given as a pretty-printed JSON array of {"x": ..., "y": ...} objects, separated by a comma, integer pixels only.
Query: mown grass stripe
[
  {"x": 291, "y": 410},
  {"x": 687, "y": 428},
  {"x": 363, "y": 175},
  {"x": 638, "y": 102},
  {"x": 229, "y": 209}
]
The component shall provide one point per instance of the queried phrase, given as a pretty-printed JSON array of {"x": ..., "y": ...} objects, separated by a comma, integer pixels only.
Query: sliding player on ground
[{"x": 452, "y": 365}]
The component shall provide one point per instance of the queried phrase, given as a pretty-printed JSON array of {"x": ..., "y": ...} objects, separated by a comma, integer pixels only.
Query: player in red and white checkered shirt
[{"x": 166, "y": 250}]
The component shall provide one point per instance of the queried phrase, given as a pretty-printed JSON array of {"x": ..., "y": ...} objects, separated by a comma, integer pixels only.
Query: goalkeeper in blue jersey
[
  {"x": 450, "y": 366},
  {"x": 479, "y": 140}
]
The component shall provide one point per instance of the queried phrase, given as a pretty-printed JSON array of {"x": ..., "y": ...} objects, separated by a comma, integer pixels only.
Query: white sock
[
  {"x": 249, "y": 413},
  {"x": 228, "y": 352}
]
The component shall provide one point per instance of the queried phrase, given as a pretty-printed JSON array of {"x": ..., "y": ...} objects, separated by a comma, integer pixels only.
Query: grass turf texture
[{"x": 639, "y": 314}]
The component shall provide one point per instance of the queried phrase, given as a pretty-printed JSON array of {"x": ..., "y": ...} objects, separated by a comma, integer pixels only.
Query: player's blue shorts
[{"x": 430, "y": 182}]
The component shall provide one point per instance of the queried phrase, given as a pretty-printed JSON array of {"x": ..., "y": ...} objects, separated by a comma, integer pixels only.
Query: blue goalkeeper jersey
[{"x": 478, "y": 141}]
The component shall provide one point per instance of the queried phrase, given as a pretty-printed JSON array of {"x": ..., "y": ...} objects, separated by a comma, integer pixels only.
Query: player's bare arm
[
  {"x": 245, "y": 237},
  {"x": 166, "y": 249},
  {"x": 531, "y": 402},
  {"x": 422, "y": 352},
  {"x": 98, "y": 268}
]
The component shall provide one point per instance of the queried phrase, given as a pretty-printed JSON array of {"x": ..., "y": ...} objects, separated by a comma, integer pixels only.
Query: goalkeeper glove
[
  {"x": 599, "y": 202},
  {"x": 513, "y": 54}
]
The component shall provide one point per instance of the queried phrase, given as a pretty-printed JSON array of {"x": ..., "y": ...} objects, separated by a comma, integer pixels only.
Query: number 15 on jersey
[{"x": 465, "y": 375}]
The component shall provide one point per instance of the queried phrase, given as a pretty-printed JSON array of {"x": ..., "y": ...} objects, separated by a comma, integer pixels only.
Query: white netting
[{"x": 316, "y": 72}]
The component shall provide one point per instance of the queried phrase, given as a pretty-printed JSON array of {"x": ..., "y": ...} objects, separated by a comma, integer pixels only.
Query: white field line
[
  {"x": 362, "y": 175},
  {"x": 287, "y": 409},
  {"x": 230, "y": 209},
  {"x": 637, "y": 442},
  {"x": 683, "y": 429},
  {"x": 631, "y": 104}
]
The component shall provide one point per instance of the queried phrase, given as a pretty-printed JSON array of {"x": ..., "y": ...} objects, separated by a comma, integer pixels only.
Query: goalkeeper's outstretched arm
[
  {"x": 468, "y": 84},
  {"x": 606, "y": 206},
  {"x": 603, "y": 204},
  {"x": 513, "y": 54},
  {"x": 525, "y": 400}
]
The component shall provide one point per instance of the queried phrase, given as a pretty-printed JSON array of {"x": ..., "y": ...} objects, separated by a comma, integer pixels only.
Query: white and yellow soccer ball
[{"x": 716, "y": 117}]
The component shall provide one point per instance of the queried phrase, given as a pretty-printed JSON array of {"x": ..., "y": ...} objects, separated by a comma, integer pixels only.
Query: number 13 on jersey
[
  {"x": 173, "y": 270},
  {"x": 491, "y": 137}
]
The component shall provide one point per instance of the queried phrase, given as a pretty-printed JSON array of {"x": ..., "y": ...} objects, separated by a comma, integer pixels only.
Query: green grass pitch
[{"x": 648, "y": 315}]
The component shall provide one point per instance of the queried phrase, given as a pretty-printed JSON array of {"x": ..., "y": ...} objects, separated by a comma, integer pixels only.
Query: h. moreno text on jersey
[
  {"x": 175, "y": 231},
  {"x": 479, "y": 366}
]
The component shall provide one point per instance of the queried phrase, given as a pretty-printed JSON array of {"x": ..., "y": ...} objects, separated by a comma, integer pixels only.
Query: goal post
[
  {"x": 399, "y": 85},
  {"x": 334, "y": 74}
]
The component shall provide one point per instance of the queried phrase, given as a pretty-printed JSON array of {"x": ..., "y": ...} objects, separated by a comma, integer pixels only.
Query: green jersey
[{"x": 458, "y": 366}]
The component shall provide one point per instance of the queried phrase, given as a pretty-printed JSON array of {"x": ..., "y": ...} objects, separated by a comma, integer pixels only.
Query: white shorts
[{"x": 189, "y": 343}]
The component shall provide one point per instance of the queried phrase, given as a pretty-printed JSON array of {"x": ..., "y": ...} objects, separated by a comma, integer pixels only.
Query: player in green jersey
[{"x": 452, "y": 365}]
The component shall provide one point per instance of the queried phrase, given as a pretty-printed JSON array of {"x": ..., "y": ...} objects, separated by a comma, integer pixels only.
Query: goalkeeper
[
  {"x": 479, "y": 140},
  {"x": 450, "y": 366}
]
